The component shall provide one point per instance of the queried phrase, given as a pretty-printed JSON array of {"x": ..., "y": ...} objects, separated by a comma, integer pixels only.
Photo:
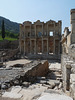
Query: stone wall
[
  {"x": 9, "y": 44},
  {"x": 40, "y": 37},
  {"x": 68, "y": 71},
  {"x": 72, "y": 51},
  {"x": 68, "y": 57},
  {"x": 8, "y": 54}
]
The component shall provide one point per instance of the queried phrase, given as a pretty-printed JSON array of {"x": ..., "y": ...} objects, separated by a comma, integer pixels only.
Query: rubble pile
[
  {"x": 6, "y": 55},
  {"x": 16, "y": 75},
  {"x": 34, "y": 78}
]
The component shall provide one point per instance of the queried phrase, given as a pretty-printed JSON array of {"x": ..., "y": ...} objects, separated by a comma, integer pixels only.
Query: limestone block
[
  {"x": 16, "y": 89},
  {"x": 43, "y": 82},
  {"x": 68, "y": 64},
  {"x": 14, "y": 93},
  {"x": 38, "y": 70},
  {"x": 54, "y": 97},
  {"x": 72, "y": 77},
  {"x": 72, "y": 38},
  {"x": 25, "y": 84},
  {"x": 56, "y": 82},
  {"x": 72, "y": 86},
  {"x": 73, "y": 68},
  {"x": 60, "y": 85},
  {"x": 41, "y": 78}
]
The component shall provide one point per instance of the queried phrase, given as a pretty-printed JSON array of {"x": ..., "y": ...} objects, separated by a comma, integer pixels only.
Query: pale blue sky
[{"x": 44, "y": 10}]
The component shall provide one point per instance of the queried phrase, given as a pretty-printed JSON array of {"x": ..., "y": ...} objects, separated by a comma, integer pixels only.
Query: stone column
[
  {"x": 35, "y": 39},
  {"x": 20, "y": 45},
  {"x": 59, "y": 48},
  {"x": 30, "y": 31},
  {"x": 24, "y": 46},
  {"x": 42, "y": 38},
  {"x": 35, "y": 30},
  {"x": 54, "y": 43},
  {"x": 47, "y": 46},
  {"x": 60, "y": 31},
  {"x": 47, "y": 30},
  {"x": 35, "y": 46},
  {"x": 24, "y": 40},
  {"x": 42, "y": 30},
  {"x": 72, "y": 21},
  {"x": 30, "y": 47},
  {"x": 30, "y": 40},
  {"x": 54, "y": 46},
  {"x": 54, "y": 40},
  {"x": 42, "y": 45},
  {"x": 20, "y": 39}
]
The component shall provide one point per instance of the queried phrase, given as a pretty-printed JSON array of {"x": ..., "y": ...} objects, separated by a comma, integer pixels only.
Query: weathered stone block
[
  {"x": 72, "y": 77},
  {"x": 40, "y": 69},
  {"x": 72, "y": 51},
  {"x": 26, "y": 84}
]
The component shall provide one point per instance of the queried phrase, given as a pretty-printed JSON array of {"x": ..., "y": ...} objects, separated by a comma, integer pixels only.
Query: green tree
[{"x": 3, "y": 30}]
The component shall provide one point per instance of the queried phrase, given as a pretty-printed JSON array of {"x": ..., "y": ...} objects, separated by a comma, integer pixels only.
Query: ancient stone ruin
[
  {"x": 36, "y": 69},
  {"x": 15, "y": 75},
  {"x": 40, "y": 37},
  {"x": 68, "y": 57}
]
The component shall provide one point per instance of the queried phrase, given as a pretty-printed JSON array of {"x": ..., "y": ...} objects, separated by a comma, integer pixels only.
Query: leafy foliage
[
  {"x": 3, "y": 30},
  {"x": 11, "y": 29},
  {"x": 10, "y": 35}
]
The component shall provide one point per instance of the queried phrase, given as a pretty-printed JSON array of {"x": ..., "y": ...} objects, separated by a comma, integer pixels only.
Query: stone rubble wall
[
  {"x": 72, "y": 51},
  {"x": 68, "y": 71},
  {"x": 5, "y": 55},
  {"x": 9, "y": 44}
]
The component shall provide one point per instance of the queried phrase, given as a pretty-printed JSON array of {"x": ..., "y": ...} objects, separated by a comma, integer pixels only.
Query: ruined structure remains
[
  {"x": 17, "y": 74},
  {"x": 68, "y": 57},
  {"x": 68, "y": 37},
  {"x": 40, "y": 37}
]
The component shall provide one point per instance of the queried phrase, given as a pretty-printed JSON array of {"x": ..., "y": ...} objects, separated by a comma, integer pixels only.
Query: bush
[{"x": 10, "y": 34}]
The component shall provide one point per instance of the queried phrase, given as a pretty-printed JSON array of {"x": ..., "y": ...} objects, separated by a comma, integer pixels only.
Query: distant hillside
[{"x": 9, "y": 25}]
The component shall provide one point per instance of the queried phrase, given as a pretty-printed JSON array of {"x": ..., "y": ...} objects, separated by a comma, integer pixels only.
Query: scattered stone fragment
[
  {"x": 4, "y": 86},
  {"x": 43, "y": 81},
  {"x": 48, "y": 86},
  {"x": 56, "y": 82},
  {"x": 60, "y": 85},
  {"x": 41, "y": 78},
  {"x": 16, "y": 82},
  {"x": 25, "y": 84}
]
